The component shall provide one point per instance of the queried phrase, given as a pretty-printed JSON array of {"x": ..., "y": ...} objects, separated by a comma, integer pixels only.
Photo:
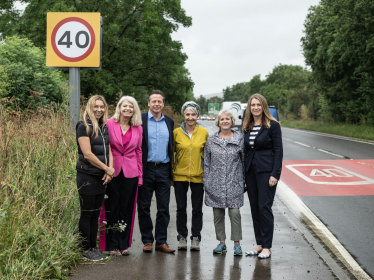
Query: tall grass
[
  {"x": 39, "y": 207},
  {"x": 350, "y": 130}
]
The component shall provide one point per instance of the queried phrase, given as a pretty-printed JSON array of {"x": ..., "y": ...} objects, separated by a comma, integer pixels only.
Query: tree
[
  {"x": 25, "y": 78},
  {"x": 237, "y": 92},
  {"x": 288, "y": 88},
  {"x": 138, "y": 53},
  {"x": 255, "y": 85},
  {"x": 339, "y": 46},
  {"x": 203, "y": 103}
]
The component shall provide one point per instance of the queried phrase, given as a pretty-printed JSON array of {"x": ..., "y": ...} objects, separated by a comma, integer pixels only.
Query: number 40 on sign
[{"x": 73, "y": 39}]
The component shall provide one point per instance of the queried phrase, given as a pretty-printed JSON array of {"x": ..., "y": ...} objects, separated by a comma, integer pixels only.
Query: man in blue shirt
[{"x": 157, "y": 154}]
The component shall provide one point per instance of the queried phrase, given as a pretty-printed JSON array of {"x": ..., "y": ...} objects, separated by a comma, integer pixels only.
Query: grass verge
[
  {"x": 39, "y": 207},
  {"x": 365, "y": 132}
]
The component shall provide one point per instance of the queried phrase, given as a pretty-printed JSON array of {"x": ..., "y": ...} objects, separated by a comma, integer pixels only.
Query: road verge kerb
[{"x": 299, "y": 208}]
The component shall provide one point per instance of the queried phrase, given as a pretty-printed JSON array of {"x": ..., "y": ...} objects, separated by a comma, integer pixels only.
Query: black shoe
[
  {"x": 99, "y": 253},
  {"x": 91, "y": 256}
]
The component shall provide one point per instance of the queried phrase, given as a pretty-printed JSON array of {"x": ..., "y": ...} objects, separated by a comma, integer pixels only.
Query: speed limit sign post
[
  {"x": 73, "y": 39},
  {"x": 74, "y": 42}
]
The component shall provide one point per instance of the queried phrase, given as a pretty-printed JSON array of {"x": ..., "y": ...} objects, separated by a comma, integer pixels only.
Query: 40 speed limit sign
[{"x": 73, "y": 39}]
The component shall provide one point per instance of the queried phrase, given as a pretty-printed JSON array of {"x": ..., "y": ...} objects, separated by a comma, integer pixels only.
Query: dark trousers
[
  {"x": 197, "y": 194},
  {"x": 119, "y": 209},
  {"x": 89, "y": 219},
  {"x": 157, "y": 179},
  {"x": 261, "y": 198}
]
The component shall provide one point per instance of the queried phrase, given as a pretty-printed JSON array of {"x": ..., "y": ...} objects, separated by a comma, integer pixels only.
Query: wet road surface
[
  {"x": 346, "y": 210},
  {"x": 292, "y": 256}
]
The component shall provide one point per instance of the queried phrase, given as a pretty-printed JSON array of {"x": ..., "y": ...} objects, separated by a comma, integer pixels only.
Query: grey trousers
[{"x": 236, "y": 223}]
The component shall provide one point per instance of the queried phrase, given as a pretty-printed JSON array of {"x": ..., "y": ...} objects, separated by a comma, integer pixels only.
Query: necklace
[{"x": 125, "y": 127}]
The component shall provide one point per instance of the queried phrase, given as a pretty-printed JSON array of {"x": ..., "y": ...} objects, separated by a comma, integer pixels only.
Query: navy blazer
[
  {"x": 170, "y": 124},
  {"x": 267, "y": 152}
]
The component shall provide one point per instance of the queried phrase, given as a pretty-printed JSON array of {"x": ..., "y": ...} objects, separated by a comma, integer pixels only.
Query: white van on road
[{"x": 236, "y": 109}]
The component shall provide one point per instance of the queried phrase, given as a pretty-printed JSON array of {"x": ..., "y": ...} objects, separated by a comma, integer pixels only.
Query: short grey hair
[{"x": 225, "y": 112}]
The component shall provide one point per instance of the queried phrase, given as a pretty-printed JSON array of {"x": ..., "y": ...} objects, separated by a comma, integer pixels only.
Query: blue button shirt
[{"x": 158, "y": 139}]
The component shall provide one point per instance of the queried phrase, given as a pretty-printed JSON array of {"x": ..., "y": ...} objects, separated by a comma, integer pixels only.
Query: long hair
[
  {"x": 136, "y": 118},
  {"x": 88, "y": 115},
  {"x": 266, "y": 116}
]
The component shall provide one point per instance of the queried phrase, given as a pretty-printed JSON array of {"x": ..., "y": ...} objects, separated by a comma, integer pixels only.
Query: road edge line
[{"x": 321, "y": 231}]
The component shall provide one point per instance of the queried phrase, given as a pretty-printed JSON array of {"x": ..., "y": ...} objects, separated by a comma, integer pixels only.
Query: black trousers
[
  {"x": 89, "y": 219},
  {"x": 119, "y": 209},
  {"x": 261, "y": 198},
  {"x": 197, "y": 194},
  {"x": 155, "y": 179}
]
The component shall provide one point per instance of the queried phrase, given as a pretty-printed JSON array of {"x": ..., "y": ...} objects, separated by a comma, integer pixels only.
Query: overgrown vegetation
[
  {"x": 39, "y": 206},
  {"x": 350, "y": 130},
  {"x": 25, "y": 80}
]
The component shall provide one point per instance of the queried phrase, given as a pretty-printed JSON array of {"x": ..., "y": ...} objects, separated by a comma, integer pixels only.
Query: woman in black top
[
  {"x": 263, "y": 166},
  {"x": 94, "y": 171}
]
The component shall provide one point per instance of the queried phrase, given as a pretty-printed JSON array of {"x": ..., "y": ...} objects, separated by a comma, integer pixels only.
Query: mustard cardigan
[{"x": 188, "y": 153}]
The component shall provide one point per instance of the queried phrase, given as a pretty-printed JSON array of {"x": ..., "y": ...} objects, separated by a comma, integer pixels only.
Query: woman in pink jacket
[{"x": 125, "y": 135}]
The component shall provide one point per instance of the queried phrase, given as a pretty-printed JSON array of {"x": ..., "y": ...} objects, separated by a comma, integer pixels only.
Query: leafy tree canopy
[
  {"x": 25, "y": 78},
  {"x": 138, "y": 52},
  {"x": 288, "y": 87},
  {"x": 339, "y": 46}
]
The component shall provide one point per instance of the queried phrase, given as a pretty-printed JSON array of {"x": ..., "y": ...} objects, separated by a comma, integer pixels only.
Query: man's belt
[{"x": 156, "y": 163}]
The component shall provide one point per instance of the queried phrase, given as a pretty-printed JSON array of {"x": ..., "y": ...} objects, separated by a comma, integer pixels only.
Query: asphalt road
[
  {"x": 293, "y": 256},
  {"x": 296, "y": 142},
  {"x": 349, "y": 217}
]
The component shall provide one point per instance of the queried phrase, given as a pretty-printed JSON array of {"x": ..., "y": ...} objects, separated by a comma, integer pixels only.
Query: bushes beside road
[
  {"x": 39, "y": 208},
  {"x": 349, "y": 130}
]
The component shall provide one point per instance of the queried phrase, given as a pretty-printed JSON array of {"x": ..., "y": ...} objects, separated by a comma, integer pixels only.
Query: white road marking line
[
  {"x": 309, "y": 179},
  {"x": 305, "y": 145},
  {"x": 367, "y": 164},
  {"x": 321, "y": 231},
  {"x": 302, "y": 144},
  {"x": 332, "y": 136},
  {"x": 330, "y": 153}
]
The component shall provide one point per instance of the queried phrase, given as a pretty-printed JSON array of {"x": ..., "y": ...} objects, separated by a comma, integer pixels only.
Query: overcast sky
[{"x": 230, "y": 41}]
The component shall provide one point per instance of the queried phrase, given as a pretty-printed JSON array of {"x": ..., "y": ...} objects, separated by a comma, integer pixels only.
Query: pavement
[
  {"x": 300, "y": 250},
  {"x": 296, "y": 254}
]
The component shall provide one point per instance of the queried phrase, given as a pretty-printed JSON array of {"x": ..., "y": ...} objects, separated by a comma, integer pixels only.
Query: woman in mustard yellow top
[{"x": 188, "y": 146}]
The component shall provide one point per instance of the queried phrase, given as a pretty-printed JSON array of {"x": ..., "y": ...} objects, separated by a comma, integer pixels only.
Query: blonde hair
[
  {"x": 89, "y": 115},
  {"x": 136, "y": 118},
  {"x": 248, "y": 121},
  {"x": 225, "y": 112}
]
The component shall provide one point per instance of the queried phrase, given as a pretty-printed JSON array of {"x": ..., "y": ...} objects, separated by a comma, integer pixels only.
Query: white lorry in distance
[{"x": 236, "y": 109}]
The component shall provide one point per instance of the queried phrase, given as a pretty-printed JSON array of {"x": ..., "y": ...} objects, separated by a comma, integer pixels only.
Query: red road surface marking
[{"x": 329, "y": 177}]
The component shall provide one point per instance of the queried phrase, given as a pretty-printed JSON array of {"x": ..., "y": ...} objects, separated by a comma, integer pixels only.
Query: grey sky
[{"x": 231, "y": 41}]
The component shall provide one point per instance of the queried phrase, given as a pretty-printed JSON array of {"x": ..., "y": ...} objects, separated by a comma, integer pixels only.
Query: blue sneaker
[
  {"x": 221, "y": 248},
  {"x": 238, "y": 250}
]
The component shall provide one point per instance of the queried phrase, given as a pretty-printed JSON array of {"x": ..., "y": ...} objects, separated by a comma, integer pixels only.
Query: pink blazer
[{"x": 130, "y": 161}]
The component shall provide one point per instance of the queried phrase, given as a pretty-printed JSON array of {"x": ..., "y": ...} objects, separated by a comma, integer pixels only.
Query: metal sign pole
[{"x": 75, "y": 93}]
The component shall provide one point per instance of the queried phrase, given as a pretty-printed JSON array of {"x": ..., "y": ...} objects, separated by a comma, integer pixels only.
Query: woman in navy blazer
[
  {"x": 263, "y": 166},
  {"x": 125, "y": 135}
]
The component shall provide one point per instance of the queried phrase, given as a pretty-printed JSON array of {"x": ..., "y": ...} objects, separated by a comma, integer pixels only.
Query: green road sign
[{"x": 213, "y": 108}]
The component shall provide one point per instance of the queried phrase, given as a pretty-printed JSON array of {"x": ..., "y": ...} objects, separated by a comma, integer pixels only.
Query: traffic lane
[
  {"x": 292, "y": 256},
  {"x": 339, "y": 145},
  {"x": 329, "y": 177},
  {"x": 297, "y": 151},
  {"x": 351, "y": 220},
  {"x": 209, "y": 125},
  {"x": 341, "y": 194}
]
